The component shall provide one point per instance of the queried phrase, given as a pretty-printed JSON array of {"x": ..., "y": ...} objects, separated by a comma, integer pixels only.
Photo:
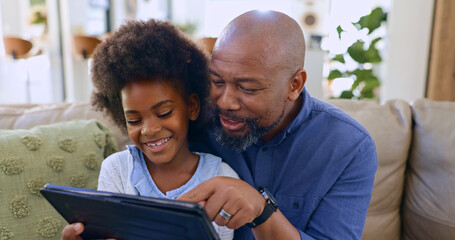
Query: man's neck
[{"x": 290, "y": 113}]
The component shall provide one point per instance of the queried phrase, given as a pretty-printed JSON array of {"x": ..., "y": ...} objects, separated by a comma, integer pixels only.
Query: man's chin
[
  {"x": 237, "y": 133},
  {"x": 235, "y": 140}
]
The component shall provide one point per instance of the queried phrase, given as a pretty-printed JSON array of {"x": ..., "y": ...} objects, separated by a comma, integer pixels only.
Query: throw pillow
[{"x": 65, "y": 153}]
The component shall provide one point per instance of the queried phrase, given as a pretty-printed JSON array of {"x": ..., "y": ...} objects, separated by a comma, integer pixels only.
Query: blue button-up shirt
[{"x": 320, "y": 169}]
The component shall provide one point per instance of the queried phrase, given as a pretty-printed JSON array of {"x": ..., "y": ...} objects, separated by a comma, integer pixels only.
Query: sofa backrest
[
  {"x": 26, "y": 116},
  {"x": 429, "y": 203},
  {"x": 421, "y": 136}
]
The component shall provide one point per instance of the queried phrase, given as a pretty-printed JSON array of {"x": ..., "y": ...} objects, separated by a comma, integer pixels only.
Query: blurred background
[{"x": 358, "y": 49}]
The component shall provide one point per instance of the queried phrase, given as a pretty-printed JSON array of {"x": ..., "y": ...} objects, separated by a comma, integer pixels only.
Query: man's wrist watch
[{"x": 269, "y": 209}]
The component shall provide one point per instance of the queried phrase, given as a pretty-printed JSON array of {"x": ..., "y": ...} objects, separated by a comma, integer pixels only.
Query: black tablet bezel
[{"x": 121, "y": 216}]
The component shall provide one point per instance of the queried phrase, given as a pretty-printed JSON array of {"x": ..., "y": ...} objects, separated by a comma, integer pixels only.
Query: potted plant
[
  {"x": 38, "y": 20},
  {"x": 365, "y": 54}
]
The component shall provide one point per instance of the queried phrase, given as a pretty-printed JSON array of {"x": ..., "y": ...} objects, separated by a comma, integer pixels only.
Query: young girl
[{"x": 149, "y": 79}]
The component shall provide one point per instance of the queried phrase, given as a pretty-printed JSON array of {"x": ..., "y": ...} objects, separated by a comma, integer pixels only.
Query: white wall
[
  {"x": 2, "y": 48},
  {"x": 31, "y": 78},
  {"x": 14, "y": 16},
  {"x": 53, "y": 51},
  {"x": 406, "y": 63}
]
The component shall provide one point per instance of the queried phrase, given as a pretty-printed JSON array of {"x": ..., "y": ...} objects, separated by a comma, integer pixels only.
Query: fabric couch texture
[
  {"x": 65, "y": 153},
  {"x": 429, "y": 201},
  {"x": 413, "y": 193}
]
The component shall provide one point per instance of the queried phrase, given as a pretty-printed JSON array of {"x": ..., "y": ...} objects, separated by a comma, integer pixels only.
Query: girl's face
[{"x": 157, "y": 117}]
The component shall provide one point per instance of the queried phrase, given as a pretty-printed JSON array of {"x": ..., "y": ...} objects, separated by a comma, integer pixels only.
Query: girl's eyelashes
[
  {"x": 164, "y": 115},
  {"x": 137, "y": 121},
  {"x": 133, "y": 122}
]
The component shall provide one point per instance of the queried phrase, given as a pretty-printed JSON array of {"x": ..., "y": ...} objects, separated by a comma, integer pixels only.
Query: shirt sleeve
[
  {"x": 109, "y": 179},
  {"x": 342, "y": 212}
]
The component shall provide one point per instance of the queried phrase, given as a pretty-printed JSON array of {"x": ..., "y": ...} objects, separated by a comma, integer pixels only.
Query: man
[{"x": 316, "y": 161}]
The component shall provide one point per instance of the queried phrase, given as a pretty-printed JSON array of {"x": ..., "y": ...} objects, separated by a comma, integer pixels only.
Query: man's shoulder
[{"x": 336, "y": 118}]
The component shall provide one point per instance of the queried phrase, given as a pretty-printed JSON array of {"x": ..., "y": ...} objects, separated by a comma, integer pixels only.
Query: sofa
[{"x": 414, "y": 188}]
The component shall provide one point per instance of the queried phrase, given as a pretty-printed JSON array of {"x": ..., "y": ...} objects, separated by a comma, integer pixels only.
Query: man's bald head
[{"x": 278, "y": 37}]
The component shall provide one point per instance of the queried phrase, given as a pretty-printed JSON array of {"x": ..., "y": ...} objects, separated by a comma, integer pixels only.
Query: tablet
[{"x": 121, "y": 216}]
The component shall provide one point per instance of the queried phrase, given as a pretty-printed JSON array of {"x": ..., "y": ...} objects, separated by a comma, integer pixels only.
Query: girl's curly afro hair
[{"x": 150, "y": 50}]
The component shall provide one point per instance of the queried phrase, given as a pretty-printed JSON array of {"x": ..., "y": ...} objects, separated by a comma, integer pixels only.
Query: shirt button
[{"x": 296, "y": 205}]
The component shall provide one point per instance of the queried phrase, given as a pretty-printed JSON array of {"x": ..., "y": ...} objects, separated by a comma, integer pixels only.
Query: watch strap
[{"x": 266, "y": 213}]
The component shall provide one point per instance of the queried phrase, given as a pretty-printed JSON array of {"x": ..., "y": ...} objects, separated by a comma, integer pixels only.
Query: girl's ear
[{"x": 193, "y": 106}]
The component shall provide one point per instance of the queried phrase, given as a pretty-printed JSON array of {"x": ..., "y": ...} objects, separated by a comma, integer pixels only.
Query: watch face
[{"x": 268, "y": 197}]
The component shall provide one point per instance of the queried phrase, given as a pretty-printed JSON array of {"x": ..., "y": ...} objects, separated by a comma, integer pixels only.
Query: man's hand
[{"x": 234, "y": 196}]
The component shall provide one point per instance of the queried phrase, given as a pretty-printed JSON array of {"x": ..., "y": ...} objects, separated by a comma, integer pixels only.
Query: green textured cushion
[{"x": 65, "y": 153}]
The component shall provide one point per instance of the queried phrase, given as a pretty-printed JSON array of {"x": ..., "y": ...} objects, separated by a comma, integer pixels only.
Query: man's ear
[
  {"x": 194, "y": 106},
  {"x": 296, "y": 84}
]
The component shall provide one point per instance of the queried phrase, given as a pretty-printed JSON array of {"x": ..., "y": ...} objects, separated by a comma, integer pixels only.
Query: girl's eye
[
  {"x": 133, "y": 122},
  {"x": 164, "y": 115}
]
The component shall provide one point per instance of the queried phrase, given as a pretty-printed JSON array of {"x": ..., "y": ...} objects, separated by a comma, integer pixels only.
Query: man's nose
[
  {"x": 229, "y": 99},
  {"x": 151, "y": 127}
]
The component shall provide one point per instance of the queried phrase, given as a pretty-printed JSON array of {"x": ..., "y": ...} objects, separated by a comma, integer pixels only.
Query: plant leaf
[
  {"x": 346, "y": 94},
  {"x": 372, "y": 21},
  {"x": 339, "y": 58},
  {"x": 367, "y": 94},
  {"x": 339, "y": 31},
  {"x": 373, "y": 43},
  {"x": 357, "y": 52},
  {"x": 372, "y": 55},
  {"x": 371, "y": 84},
  {"x": 363, "y": 74},
  {"x": 334, "y": 74}
]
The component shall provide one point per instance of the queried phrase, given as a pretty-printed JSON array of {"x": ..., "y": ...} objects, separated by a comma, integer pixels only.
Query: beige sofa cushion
[
  {"x": 390, "y": 126},
  {"x": 25, "y": 116},
  {"x": 429, "y": 205}
]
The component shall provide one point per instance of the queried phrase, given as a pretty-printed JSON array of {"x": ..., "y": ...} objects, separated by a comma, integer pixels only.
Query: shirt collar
[
  {"x": 304, "y": 112},
  {"x": 141, "y": 180}
]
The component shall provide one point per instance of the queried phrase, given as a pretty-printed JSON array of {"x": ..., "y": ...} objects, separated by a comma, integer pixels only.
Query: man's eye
[
  {"x": 217, "y": 83},
  {"x": 133, "y": 122},
  {"x": 248, "y": 90},
  {"x": 164, "y": 115}
]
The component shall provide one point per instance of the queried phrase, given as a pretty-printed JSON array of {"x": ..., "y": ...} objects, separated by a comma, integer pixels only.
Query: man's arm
[
  {"x": 340, "y": 214},
  {"x": 243, "y": 202}
]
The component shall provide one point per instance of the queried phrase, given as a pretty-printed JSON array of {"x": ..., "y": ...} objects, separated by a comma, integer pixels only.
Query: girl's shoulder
[
  {"x": 223, "y": 168},
  {"x": 118, "y": 159}
]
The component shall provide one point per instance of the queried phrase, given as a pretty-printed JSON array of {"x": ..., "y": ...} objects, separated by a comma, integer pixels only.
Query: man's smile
[{"x": 231, "y": 125}]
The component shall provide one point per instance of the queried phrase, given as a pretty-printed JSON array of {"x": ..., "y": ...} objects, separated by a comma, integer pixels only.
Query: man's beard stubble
[{"x": 239, "y": 143}]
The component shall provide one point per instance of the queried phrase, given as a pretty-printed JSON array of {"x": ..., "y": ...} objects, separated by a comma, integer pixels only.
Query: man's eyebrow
[
  {"x": 245, "y": 79},
  {"x": 214, "y": 73},
  {"x": 153, "y": 107},
  {"x": 238, "y": 79}
]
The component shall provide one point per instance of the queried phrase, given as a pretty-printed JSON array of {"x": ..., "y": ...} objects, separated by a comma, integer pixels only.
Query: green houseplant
[{"x": 366, "y": 54}]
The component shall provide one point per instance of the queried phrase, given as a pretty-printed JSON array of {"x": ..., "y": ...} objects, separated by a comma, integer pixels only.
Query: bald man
[{"x": 307, "y": 168}]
